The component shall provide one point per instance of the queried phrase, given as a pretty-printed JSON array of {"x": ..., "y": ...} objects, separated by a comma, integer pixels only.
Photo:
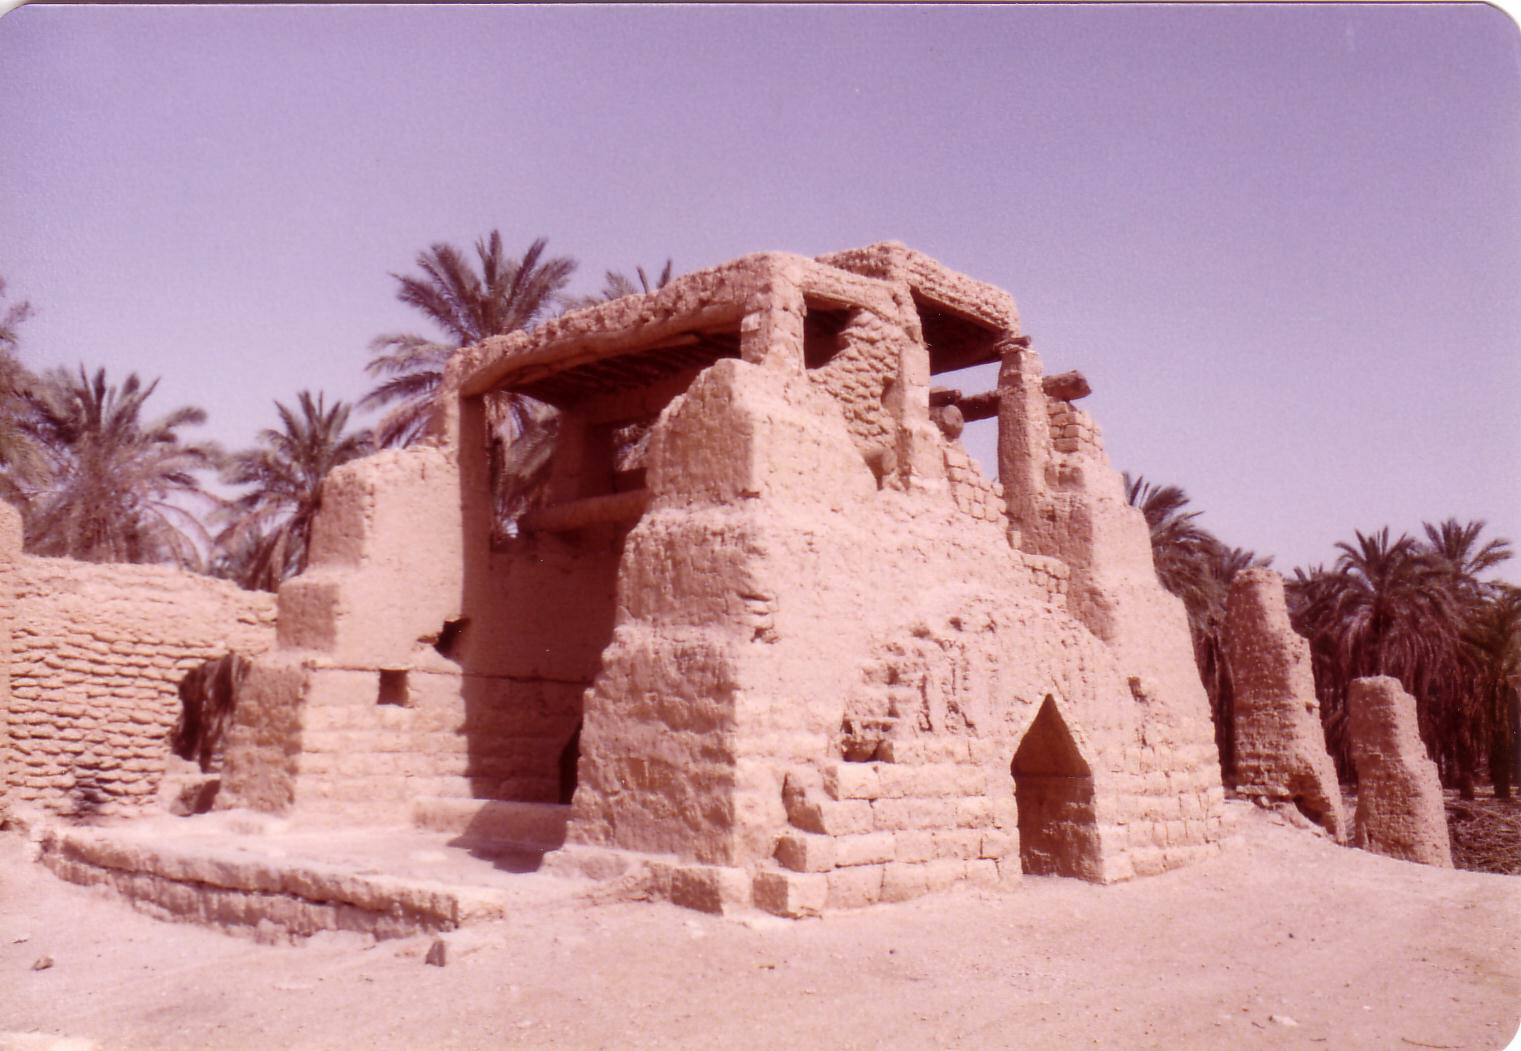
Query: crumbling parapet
[
  {"x": 1400, "y": 811},
  {"x": 1280, "y": 745}
]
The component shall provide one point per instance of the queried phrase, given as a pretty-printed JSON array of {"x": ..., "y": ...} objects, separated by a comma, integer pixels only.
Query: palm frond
[{"x": 266, "y": 530}]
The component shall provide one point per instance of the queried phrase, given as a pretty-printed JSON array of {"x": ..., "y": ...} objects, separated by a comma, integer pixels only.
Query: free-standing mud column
[
  {"x": 1400, "y": 811},
  {"x": 1024, "y": 436},
  {"x": 1280, "y": 746},
  {"x": 921, "y": 463}
]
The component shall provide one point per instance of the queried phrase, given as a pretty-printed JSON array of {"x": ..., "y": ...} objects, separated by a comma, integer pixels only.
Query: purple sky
[{"x": 1283, "y": 242}]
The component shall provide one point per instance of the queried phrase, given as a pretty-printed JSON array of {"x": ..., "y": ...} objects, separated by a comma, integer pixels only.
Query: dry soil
[{"x": 1283, "y": 940}]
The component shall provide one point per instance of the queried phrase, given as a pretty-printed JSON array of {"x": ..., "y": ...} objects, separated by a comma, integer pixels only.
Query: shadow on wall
[
  {"x": 208, "y": 700},
  {"x": 538, "y": 610},
  {"x": 1053, "y": 789},
  {"x": 522, "y": 717},
  {"x": 88, "y": 797}
]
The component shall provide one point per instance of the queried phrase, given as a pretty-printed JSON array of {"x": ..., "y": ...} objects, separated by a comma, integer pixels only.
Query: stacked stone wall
[
  {"x": 456, "y": 736},
  {"x": 393, "y": 683},
  {"x": 98, "y": 652},
  {"x": 1073, "y": 430},
  {"x": 1068, "y": 503},
  {"x": 921, "y": 818},
  {"x": 858, "y": 375},
  {"x": 943, "y": 684},
  {"x": 972, "y": 492},
  {"x": 10, "y": 556},
  {"x": 766, "y": 555}
]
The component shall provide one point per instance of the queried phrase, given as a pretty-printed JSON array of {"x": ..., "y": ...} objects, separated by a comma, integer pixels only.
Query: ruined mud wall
[
  {"x": 1073, "y": 430},
  {"x": 1280, "y": 745},
  {"x": 97, "y": 654},
  {"x": 973, "y": 492},
  {"x": 1066, "y": 502},
  {"x": 826, "y": 684},
  {"x": 864, "y": 361},
  {"x": 415, "y": 661},
  {"x": 1400, "y": 811},
  {"x": 10, "y": 555}
]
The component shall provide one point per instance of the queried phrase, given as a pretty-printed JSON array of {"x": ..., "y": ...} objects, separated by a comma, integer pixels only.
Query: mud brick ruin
[
  {"x": 773, "y": 639},
  {"x": 94, "y": 658},
  {"x": 1280, "y": 745},
  {"x": 1399, "y": 796}
]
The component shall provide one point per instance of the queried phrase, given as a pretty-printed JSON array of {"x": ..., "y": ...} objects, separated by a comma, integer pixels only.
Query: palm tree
[
  {"x": 1395, "y": 609},
  {"x": 10, "y": 322},
  {"x": 616, "y": 285},
  {"x": 1458, "y": 543},
  {"x": 504, "y": 296},
  {"x": 1464, "y": 689},
  {"x": 268, "y": 533},
  {"x": 1493, "y": 636},
  {"x": 22, "y": 465},
  {"x": 1194, "y": 565},
  {"x": 1386, "y": 608},
  {"x": 1180, "y": 548},
  {"x": 116, "y": 485}
]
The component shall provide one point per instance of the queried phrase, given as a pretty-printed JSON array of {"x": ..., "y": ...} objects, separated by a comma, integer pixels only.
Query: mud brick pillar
[{"x": 1400, "y": 811}]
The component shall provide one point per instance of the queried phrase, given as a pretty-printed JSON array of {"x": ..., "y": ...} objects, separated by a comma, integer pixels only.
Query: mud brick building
[{"x": 774, "y": 638}]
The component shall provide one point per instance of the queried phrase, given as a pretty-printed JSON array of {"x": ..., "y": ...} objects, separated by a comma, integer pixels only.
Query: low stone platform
[{"x": 279, "y": 881}]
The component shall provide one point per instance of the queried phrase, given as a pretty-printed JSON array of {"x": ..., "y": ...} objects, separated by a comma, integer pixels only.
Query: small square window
[{"x": 393, "y": 687}]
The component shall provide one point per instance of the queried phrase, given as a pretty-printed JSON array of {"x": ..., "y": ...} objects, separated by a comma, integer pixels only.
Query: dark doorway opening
[{"x": 1053, "y": 789}]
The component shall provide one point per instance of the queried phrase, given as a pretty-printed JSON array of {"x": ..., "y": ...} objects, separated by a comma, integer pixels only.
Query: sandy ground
[{"x": 1284, "y": 940}]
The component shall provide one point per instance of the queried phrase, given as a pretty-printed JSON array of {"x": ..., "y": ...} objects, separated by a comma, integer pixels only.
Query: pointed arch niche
[{"x": 1053, "y": 789}]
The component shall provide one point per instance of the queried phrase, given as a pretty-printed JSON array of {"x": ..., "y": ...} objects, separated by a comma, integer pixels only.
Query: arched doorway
[{"x": 1053, "y": 789}]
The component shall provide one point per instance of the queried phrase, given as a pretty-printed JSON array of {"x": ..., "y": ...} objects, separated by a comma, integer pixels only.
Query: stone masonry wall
[
  {"x": 972, "y": 492},
  {"x": 1073, "y": 430},
  {"x": 857, "y": 376},
  {"x": 1400, "y": 811},
  {"x": 1280, "y": 745},
  {"x": 98, "y": 652}
]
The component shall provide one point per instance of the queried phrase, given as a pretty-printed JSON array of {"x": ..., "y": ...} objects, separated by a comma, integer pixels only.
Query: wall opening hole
[
  {"x": 450, "y": 637},
  {"x": 860, "y": 738},
  {"x": 978, "y": 434},
  {"x": 823, "y": 329},
  {"x": 393, "y": 687},
  {"x": 1053, "y": 790},
  {"x": 954, "y": 342},
  {"x": 520, "y": 440}
]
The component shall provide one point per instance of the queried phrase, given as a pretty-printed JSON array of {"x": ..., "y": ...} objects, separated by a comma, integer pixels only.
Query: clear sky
[{"x": 1283, "y": 242}]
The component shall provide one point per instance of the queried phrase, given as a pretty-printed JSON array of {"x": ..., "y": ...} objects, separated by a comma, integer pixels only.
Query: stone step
[
  {"x": 531, "y": 826},
  {"x": 265, "y": 893}
]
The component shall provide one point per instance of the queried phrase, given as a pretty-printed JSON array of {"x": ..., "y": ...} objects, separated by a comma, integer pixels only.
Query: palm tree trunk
[{"x": 1505, "y": 741}]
